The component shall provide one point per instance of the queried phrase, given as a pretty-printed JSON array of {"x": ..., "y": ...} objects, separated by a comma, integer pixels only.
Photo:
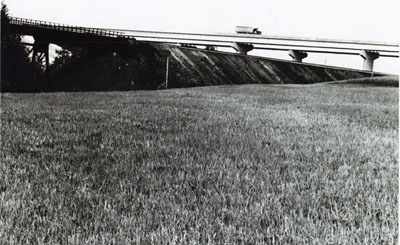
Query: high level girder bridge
[{"x": 66, "y": 36}]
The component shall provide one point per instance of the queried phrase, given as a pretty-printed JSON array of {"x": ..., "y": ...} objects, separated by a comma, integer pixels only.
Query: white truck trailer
[{"x": 247, "y": 30}]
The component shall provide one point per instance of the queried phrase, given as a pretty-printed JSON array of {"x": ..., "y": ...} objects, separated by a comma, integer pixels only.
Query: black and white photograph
[{"x": 199, "y": 122}]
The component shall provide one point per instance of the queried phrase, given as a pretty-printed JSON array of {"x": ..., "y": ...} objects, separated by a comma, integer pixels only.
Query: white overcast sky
[{"x": 369, "y": 20}]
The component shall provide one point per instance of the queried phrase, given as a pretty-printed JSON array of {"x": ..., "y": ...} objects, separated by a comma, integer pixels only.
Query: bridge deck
[
  {"x": 86, "y": 36},
  {"x": 34, "y": 25}
]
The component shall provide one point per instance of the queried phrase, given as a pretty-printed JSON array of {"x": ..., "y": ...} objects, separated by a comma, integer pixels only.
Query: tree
[
  {"x": 18, "y": 74},
  {"x": 65, "y": 57}
]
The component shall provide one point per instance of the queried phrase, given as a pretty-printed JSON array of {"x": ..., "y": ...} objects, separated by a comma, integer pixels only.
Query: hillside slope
[{"x": 145, "y": 68}]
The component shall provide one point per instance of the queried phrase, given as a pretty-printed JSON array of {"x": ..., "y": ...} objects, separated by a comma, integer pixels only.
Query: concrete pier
[
  {"x": 40, "y": 51},
  {"x": 297, "y": 55},
  {"x": 242, "y": 48},
  {"x": 369, "y": 57}
]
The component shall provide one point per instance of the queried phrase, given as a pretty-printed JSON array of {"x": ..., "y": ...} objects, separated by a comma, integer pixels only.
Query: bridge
[
  {"x": 120, "y": 40},
  {"x": 66, "y": 36},
  {"x": 295, "y": 46}
]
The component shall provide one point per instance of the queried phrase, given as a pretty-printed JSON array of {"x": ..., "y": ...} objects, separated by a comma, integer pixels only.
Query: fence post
[{"x": 166, "y": 74}]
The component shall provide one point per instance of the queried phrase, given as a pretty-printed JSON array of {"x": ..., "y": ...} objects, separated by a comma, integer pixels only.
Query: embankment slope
[{"x": 145, "y": 68}]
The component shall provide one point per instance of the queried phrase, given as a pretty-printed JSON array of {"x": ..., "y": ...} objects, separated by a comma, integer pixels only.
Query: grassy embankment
[
  {"x": 229, "y": 164},
  {"x": 384, "y": 81}
]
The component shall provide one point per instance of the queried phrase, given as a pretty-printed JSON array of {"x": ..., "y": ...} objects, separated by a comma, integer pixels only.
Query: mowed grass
[{"x": 250, "y": 164}]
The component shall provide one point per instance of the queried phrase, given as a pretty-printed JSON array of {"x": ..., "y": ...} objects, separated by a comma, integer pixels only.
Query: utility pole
[{"x": 166, "y": 74}]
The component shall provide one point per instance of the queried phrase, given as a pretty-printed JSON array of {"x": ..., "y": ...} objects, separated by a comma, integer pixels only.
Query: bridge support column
[
  {"x": 369, "y": 57},
  {"x": 242, "y": 48},
  {"x": 297, "y": 55},
  {"x": 40, "y": 51}
]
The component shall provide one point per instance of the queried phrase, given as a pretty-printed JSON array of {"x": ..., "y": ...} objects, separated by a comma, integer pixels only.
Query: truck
[{"x": 247, "y": 30}]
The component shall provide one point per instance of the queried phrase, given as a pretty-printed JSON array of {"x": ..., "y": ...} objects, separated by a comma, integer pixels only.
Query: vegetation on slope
[
  {"x": 98, "y": 71},
  {"x": 145, "y": 68},
  {"x": 233, "y": 164}
]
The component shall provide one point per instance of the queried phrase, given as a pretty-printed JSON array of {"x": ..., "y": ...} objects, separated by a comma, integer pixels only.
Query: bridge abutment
[
  {"x": 242, "y": 48},
  {"x": 297, "y": 55},
  {"x": 369, "y": 57}
]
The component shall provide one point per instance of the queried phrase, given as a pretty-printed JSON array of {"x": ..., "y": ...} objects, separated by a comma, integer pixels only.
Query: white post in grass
[{"x": 166, "y": 74}]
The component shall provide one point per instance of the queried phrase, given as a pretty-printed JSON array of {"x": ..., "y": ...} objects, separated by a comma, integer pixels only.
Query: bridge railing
[{"x": 66, "y": 28}]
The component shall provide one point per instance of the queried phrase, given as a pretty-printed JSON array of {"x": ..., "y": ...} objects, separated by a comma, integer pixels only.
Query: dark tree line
[
  {"x": 99, "y": 68},
  {"x": 18, "y": 73}
]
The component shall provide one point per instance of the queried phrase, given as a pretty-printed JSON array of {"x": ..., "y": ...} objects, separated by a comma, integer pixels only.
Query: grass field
[{"x": 250, "y": 164}]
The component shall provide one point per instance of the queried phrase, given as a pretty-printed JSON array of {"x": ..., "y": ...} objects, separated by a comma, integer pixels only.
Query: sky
[{"x": 368, "y": 20}]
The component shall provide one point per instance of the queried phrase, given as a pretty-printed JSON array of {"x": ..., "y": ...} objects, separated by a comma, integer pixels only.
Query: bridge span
[
  {"x": 66, "y": 36},
  {"x": 297, "y": 48}
]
